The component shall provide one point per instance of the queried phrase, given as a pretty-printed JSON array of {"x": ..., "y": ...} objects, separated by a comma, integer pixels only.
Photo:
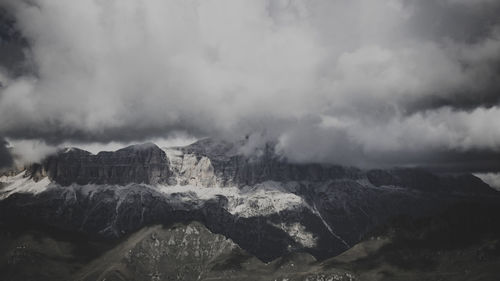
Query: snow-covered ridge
[
  {"x": 196, "y": 181},
  {"x": 262, "y": 199},
  {"x": 20, "y": 183}
]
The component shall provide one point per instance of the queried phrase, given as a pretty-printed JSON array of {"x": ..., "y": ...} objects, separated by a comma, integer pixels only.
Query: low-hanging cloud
[
  {"x": 5, "y": 155},
  {"x": 353, "y": 82}
]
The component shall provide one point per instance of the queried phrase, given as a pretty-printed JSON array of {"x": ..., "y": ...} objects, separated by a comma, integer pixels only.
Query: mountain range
[{"x": 206, "y": 211}]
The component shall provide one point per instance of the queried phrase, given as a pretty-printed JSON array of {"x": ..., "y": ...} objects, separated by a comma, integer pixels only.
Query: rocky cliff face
[
  {"x": 144, "y": 163},
  {"x": 233, "y": 168},
  {"x": 225, "y": 166},
  {"x": 210, "y": 163}
]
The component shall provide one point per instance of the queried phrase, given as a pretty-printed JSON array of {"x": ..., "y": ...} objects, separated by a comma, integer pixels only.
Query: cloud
[
  {"x": 350, "y": 82},
  {"x": 30, "y": 151},
  {"x": 492, "y": 179},
  {"x": 5, "y": 155}
]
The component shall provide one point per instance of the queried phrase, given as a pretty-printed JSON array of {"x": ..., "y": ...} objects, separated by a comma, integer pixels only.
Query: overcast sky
[{"x": 354, "y": 82}]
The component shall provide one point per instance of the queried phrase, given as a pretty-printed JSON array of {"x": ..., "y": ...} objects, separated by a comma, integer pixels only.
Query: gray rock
[{"x": 145, "y": 163}]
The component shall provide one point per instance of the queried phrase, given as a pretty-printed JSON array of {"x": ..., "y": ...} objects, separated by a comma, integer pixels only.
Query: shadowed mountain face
[
  {"x": 144, "y": 163},
  {"x": 148, "y": 164},
  {"x": 268, "y": 207},
  {"x": 236, "y": 169},
  {"x": 178, "y": 252},
  {"x": 462, "y": 243}
]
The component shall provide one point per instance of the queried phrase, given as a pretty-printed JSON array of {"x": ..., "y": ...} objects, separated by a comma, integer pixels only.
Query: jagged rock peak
[
  {"x": 212, "y": 148},
  {"x": 216, "y": 148},
  {"x": 140, "y": 146},
  {"x": 234, "y": 165}
]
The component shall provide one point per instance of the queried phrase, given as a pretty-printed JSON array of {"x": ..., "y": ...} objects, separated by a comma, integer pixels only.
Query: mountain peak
[
  {"x": 141, "y": 146},
  {"x": 142, "y": 163}
]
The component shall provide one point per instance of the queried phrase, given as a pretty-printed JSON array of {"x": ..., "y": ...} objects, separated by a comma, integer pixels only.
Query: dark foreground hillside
[{"x": 461, "y": 243}]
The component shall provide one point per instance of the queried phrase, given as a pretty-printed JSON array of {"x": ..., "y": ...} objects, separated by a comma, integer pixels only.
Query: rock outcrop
[
  {"x": 145, "y": 163},
  {"x": 233, "y": 168}
]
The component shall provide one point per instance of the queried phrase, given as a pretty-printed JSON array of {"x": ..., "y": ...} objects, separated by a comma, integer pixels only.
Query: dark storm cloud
[
  {"x": 361, "y": 82},
  {"x": 465, "y": 21},
  {"x": 13, "y": 47},
  {"x": 5, "y": 155},
  {"x": 456, "y": 24}
]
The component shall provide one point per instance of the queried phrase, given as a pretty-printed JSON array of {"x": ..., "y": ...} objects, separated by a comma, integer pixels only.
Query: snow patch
[
  {"x": 492, "y": 179},
  {"x": 318, "y": 214},
  {"x": 21, "y": 184},
  {"x": 262, "y": 199},
  {"x": 299, "y": 234}
]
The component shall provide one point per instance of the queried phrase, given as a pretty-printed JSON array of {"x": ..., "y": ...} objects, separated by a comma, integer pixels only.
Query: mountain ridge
[{"x": 269, "y": 207}]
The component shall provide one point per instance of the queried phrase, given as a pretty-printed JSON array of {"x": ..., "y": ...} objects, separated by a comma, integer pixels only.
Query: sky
[{"x": 352, "y": 82}]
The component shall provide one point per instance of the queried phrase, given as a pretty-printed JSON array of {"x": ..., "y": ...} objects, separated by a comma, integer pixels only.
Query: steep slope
[
  {"x": 30, "y": 252},
  {"x": 181, "y": 252},
  {"x": 178, "y": 252},
  {"x": 461, "y": 243}
]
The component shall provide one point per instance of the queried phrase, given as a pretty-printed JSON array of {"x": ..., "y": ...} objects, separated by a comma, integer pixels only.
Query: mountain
[
  {"x": 267, "y": 208},
  {"x": 452, "y": 245},
  {"x": 144, "y": 163}
]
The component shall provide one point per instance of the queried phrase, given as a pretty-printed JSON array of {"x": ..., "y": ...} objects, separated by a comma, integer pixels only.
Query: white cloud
[
  {"x": 492, "y": 179},
  {"x": 318, "y": 76}
]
